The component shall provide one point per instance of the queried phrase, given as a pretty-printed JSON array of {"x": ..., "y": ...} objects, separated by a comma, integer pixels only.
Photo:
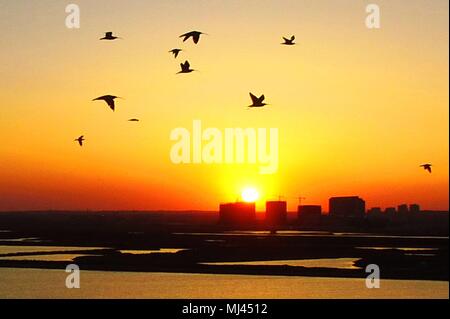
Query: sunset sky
[{"x": 358, "y": 110}]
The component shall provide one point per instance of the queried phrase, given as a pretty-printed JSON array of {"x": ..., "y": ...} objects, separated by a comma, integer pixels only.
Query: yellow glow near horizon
[
  {"x": 358, "y": 110},
  {"x": 250, "y": 195}
]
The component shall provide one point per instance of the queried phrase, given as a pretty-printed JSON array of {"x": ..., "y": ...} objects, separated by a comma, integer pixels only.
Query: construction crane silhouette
[{"x": 299, "y": 198}]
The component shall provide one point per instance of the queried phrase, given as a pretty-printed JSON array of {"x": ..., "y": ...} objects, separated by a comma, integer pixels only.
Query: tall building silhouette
[
  {"x": 276, "y": 213},
  {"x": 403, "y": 209},
  {"x": 414, "y": 209},
  {"x": 237, "y": 214},
  {"x": 375, "y": 211},
  {"x": 309, "y": 214},
  {"x": 390, "y": 211},
  {"x": 349, "y": 206}
]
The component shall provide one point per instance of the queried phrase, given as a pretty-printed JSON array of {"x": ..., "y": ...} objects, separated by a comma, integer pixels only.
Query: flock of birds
[{"x": 186, "y": 68}]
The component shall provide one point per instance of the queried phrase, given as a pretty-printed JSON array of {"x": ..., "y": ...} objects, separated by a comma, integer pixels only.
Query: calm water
[
  {"x": 158, "y": 251},
  {"x": 53, "y": 257},
  {"x": 34, "y": 249},
  {"x": 24, "y": 240},
  {"x": 296, "y": 233},
  {"x": 39, "y": 283},
  {"x": 43, "y": 283},
  {"x": 338, "y": 263},
  {"x": 399, "y": 248}
]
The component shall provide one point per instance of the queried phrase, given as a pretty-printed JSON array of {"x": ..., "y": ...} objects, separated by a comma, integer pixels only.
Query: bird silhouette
[
  {"x": 289, "y": 41},
  {"x": 257, "y": 101},
  {"x": 426, "y": 167},
  {"x": 109, "y": 99},
  {"x": 109, "y": 36},
  {"x": 194, "y": 34},
  {"x": 175, "y": 52},
  {"x": 133, "y": 120},
  {"x": 80, "y": 140},
  {"x": 185, "y": 68}
]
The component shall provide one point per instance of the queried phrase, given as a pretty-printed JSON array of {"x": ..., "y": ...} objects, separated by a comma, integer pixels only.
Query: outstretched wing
[
  {"x": 427, "y": 167},
  {"x": 187, "y": 65},
  {"x": 101, "y": 98},
  {"x": 110, "y": 102},
  {"x": 285, "y": 39},
  {"x": 196, "y": 37},
  {"x": 185, "y": 36},
  {"x": 293, "y": 38},
  {"x": 108, "y": 34},
  {"x": 255, "y": 100},
  {"x": 261, "y": 98}
]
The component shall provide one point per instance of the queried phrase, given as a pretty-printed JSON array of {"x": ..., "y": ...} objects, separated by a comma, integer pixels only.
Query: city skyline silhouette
[{"x": 339, "y": 97}]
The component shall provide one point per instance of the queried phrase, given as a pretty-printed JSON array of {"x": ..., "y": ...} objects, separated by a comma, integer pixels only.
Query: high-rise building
[
  {"x": 309, "y": 214},
  {"x": 374, "y": 211},
  {"x": 403, "y": 209},
  {"x": 350, "y": 206},
  {"x": 276, "y": 213},
  {"x": 414, "y": 208},
  {"x": 236, "y": 214},
  {"x": 390, "y": 211}
]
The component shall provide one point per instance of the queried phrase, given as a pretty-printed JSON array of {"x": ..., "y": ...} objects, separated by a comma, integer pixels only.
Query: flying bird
[
  {"x": 80, "y": 140},
  {"x": 194, "y": 34},
  {"x": 185, "y": 68},
  {"x": 289, "y": 41},
  {"x": 257, "y": 101},
  {"x": 175, "y": 52},
  {"x": 109, "y": 36},
  {"x": 133, "y": 120},
  {"x": 427, "y": 167},
  {"x": 109, "y": 99}
]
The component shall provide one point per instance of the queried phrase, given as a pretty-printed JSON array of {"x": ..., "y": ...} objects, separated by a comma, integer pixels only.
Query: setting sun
[
  {"x": 278, "y": 149},
  {"x": 250, "y": 195}
]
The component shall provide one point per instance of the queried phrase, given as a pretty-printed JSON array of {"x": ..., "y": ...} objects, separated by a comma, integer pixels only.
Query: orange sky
[{"x": 357, "y": 110}]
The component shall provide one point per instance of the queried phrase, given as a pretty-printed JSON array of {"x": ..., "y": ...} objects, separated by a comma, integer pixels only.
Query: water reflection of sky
[
  {"x": 307, "y": 234},
  {"x": 400, "y": 248},
  {"x": 65, "y": 253},
  {"x": 159, "y": 251},
  {"x": 337, "y": 263},
  {"x": 21, "y": 240},
  {"x": 54, "y": 257},
  {"x": 45, "y": 249}
]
